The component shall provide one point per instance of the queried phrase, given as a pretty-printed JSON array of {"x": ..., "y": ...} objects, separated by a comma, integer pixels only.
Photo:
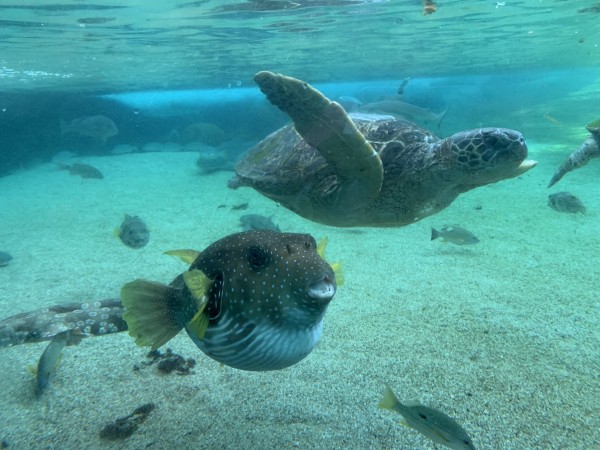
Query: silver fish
[
  {"x": 404, "y": 110},
  {"x": 62, "y": 325},
  {"x": 431, "y": 423},
  {"x": 566, "y": 202},
  {"x": 454, "y": 235},
  {"x": 253, "y": 300},
  {"x": 49, "y": 361},
  {"x": 588, "y": 150}
]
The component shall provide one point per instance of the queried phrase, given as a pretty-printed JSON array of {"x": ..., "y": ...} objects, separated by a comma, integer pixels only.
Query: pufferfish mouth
[{"x": 322, "y": 289}]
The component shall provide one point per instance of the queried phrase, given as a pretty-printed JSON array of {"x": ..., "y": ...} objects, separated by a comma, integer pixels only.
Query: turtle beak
[{"x": 524, "y": 167}]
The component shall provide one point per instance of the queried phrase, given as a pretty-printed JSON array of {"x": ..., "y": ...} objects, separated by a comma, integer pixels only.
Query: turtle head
[{"x": 485, "y": 155}]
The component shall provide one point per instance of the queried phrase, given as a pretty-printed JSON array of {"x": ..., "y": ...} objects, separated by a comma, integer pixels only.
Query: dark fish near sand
[
  {"x": 566, "y": 202},
  {"x": 98, "y": 126},
  {"x": 254, "y": 300},
  {"x": 82, "y": 170},
  {"x": 454, "y": 235},
  {"x": 430, "y": 422},
  {"x": 133, "y": 232},
  {"x": 5, "y": 258},
  {"x": 258, "y": 222}
]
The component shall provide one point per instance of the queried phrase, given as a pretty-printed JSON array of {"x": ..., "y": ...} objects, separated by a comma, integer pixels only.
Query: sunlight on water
[{"x": 117, "y": 45}]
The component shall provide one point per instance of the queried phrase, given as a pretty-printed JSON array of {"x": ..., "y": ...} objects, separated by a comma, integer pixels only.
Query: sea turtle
[
  {"x": 588, "y": 150},
  {"x": 367, "y": 169}
]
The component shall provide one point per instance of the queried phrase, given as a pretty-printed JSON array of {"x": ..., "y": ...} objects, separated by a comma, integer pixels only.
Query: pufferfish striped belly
[{"x": 258, "y": 347}]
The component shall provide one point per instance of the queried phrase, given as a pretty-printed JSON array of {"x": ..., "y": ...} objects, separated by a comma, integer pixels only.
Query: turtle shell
[{"x": 283, "y": 164}]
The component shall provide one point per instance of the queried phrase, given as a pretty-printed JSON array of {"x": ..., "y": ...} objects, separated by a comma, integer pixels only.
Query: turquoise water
[{"x": 503, "y": 335}]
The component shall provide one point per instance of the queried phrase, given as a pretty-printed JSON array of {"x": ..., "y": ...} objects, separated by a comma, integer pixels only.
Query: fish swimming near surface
[
  {"x": 82, "y": 170},
  {"x": 98, "y": 126},
  {"x": 455, "y": 235},
  {"x": 221, "y": 301},
  {"x": 431, "y": 423},
  {"x": 396, "y": 107},
  {"x": 258, "y": 222},
  {"x": 5, "y": 258},
  {"x": 404, "y": 110},
  {"x": 133, "y": 232},
  {"x": 566, "y": 202},
  {"x": 253, "y": 300}
]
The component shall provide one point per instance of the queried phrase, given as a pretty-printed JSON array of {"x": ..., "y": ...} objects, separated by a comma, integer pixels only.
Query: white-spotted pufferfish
[{"x": 253, "y": 300}]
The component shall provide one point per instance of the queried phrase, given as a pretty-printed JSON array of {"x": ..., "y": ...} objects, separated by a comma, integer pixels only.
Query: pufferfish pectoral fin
[
  {"x": 198, "y": 284},
  {"x": 151, "y": 312},
  {"x": 186, "y": 255},
  {"x": 336, "y": 266}
]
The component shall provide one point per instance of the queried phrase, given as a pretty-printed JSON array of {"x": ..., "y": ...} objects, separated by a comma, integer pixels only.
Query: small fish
[
  {"x": 98, "y": 126},
  {"x": 253, "y": 300},
  {"x": 429, "y": 7},
  {"x": 240, "y": 207},
  {"x": 82, "y": 170},
  {"x": 257, "y": 222},
  {"x": 49, "y": 360},
  {"x": 95, "y": 20},
  {"x": 431, "y": 423},
  {"x": 454, "y": 235},
  {"x": 5, "y": 258},
  {"x": 133, "y": 232},
  {"x": 402, "y": 86},
  {"x": 566, "y": 202}
]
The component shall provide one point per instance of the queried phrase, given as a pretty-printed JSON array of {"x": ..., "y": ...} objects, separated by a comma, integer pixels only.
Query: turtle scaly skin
[
  {"x": 588, "y": 150},
  {"x": 368, "y": 169}
]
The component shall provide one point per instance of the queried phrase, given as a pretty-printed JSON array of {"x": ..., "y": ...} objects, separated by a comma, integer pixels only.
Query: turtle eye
[{"x": 258, "y": 257}]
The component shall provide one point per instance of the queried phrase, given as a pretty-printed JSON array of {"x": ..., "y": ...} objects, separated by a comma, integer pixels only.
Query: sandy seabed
[{"x": 503, "y": 336}]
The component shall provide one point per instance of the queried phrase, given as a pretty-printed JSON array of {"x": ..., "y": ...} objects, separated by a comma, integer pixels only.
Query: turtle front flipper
[
  {"x": 588, "y": 150},
  {"x": 325, "y": 125}
]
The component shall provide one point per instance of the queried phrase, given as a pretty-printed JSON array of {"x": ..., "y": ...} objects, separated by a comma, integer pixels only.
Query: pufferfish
[{"x": 253, "y": 300}]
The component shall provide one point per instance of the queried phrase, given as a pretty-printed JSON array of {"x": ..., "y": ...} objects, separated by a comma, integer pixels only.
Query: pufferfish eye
[
  {"x": 310, "y": 243},
  {"x": 258, "y": 257}
]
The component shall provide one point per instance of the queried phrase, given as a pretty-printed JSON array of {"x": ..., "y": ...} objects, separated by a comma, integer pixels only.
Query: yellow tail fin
[
  {"x": 150, "y": 312},
  {"x": 389, "y": 400}
]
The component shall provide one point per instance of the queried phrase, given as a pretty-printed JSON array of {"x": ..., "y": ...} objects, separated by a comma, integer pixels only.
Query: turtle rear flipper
[{"x": 325, "y": 125}]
